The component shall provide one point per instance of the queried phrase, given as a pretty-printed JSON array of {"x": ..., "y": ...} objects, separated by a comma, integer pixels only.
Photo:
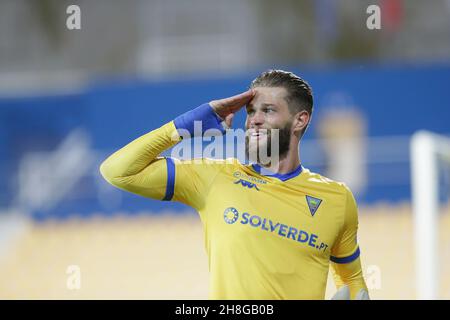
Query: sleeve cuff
[{"x": 206, "y": 116}]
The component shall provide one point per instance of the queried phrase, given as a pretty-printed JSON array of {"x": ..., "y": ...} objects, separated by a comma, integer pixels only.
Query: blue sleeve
[{"x": 205, "y": 114}]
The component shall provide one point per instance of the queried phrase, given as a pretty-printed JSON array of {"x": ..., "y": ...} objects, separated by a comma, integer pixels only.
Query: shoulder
[
  {"x": 337, "y": 192},
  {"x": 319, "y": 181}
]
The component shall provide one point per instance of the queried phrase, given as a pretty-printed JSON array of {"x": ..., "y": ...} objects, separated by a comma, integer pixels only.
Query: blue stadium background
[{"x": 398, "y": 100}]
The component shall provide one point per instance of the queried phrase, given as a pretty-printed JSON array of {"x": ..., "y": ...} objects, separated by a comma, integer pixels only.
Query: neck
[{"x": 289, "y": 162}]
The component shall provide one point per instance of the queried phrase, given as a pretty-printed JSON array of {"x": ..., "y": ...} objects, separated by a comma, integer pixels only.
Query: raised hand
[{"x": 227, "y": 107}]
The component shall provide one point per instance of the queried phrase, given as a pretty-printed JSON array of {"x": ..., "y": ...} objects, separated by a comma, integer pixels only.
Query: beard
[{"x": 277, "y": 140}]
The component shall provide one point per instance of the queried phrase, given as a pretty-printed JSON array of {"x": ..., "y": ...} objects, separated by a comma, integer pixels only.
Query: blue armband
[
  {"x": 205, "y": 114},
  {"x": 347, "y": 259}
]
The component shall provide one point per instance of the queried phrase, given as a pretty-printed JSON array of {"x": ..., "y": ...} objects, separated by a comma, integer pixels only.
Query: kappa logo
[
  {"x": 313, "y": 204},
  {"x": 246, "y": 183}
]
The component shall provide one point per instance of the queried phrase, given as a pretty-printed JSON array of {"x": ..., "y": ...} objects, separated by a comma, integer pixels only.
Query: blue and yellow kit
[{"x": 267, "y": 236}]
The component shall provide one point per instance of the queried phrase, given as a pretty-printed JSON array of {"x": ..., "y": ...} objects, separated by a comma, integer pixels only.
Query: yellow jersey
[{"x": 267, "y": 236}]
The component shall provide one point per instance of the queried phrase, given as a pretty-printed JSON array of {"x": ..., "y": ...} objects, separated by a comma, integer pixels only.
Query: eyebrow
[{"x": 250, "y": 105}]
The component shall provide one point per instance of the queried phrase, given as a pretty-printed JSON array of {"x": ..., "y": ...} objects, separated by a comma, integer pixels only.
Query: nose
[{"x": 256, "y": 119}]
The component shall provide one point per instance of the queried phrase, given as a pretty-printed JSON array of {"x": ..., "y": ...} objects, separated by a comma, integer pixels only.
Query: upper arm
[
  {"x": 345, "y": 248},
  {"x": 345, "y": 254},
  {"x": 171, "y": 179},
  {"x": 150, "y": 182}
]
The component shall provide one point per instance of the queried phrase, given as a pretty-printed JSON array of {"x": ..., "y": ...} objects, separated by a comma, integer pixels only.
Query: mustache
[
  {"x": 261, "y": 130},
  {"x": 278, "y": 136}
]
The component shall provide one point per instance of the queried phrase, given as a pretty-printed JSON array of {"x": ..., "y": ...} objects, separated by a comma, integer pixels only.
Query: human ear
[{"x": 301, "y": 121}]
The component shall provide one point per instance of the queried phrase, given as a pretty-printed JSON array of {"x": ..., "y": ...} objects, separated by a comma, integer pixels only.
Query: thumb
[{"x": 229, "y": 120}]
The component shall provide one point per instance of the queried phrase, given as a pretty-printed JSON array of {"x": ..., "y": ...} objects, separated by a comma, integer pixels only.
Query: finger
[
  {"x": 239, "y": 100},
  {"x": 229, "y": 120},
  {"x": 244, "y": 95}
]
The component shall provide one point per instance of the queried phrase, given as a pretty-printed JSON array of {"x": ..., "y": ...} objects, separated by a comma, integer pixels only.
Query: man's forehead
[{"x": 269, "y": 95}]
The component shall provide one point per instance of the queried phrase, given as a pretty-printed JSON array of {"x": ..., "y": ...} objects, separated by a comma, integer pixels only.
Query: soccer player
[{"x": 268, "y": 235}]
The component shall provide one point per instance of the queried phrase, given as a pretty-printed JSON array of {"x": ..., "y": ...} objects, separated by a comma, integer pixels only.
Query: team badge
[{"x": 313, "y": 204}]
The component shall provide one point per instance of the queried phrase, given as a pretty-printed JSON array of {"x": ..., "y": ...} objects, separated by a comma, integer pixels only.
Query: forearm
[
  {"x": 140, "y": 153},
  {"x": 137, "y": 168},
  {"x": 350, "y": 275}
]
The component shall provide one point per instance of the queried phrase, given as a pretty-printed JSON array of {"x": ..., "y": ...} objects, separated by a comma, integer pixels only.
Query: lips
[
  {"x": 257, "y": 132},
  {"x": 257, "y": 135}
]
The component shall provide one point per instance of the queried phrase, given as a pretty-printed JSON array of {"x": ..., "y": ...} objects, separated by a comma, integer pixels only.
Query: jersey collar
[{"x": 281, "y": 176}]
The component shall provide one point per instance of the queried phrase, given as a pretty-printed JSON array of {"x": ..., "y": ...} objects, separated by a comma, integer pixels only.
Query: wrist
[{"x": 206, "y": 117}]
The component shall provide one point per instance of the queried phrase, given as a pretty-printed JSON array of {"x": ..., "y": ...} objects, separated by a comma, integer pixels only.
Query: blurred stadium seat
[{"x": 163, "y": 257}]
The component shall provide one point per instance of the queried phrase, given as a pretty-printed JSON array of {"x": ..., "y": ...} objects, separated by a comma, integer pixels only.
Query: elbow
[
  {"x": 107, "y": 172},
  {"x": 114, "y": 176}
]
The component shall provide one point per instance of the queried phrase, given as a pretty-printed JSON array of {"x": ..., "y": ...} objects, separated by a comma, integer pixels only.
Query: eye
[{"x": 269, "y": 110}]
